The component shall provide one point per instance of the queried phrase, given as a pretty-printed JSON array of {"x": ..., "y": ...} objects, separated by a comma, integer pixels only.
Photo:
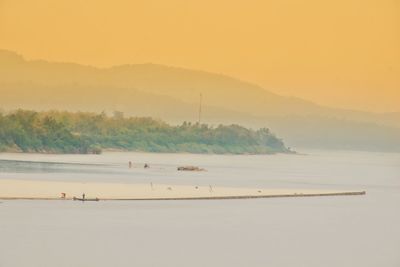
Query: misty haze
[{"x": 199, "y": 133}]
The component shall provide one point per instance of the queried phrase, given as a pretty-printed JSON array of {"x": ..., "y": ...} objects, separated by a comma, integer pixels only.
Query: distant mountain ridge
[{"x": 172, "y": 94}]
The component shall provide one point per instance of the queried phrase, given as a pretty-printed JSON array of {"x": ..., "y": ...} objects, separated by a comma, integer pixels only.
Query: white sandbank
[{"x": 23, "y": 189}]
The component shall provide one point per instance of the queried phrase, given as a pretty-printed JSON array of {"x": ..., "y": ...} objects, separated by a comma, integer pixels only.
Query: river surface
[{"x": 318, "y": 231}]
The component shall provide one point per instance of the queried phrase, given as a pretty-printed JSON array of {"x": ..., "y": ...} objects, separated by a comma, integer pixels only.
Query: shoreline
[
  {"x": 349, "y": 193},
  {"x": 54, "y": 190},
  {"x": 150, "y": 152}
]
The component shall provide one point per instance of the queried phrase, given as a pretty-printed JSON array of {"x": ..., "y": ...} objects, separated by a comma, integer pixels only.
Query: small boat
[
  {"x": 86, "y": 199},
  {"x": 190, "y": 168}
]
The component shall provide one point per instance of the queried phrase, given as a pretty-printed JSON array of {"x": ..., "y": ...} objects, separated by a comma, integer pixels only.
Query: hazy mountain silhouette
[{"x": 173, "y": 93}]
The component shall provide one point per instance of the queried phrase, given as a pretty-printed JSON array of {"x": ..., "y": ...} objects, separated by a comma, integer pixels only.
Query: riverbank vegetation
[{"x": 82, "y": 132}]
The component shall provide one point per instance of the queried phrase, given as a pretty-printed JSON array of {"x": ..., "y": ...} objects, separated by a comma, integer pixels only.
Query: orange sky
[{"x": 342, "y": 53}]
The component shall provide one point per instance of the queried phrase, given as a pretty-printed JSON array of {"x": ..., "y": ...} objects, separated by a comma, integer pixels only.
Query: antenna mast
[{"x": 201, "y": 99}]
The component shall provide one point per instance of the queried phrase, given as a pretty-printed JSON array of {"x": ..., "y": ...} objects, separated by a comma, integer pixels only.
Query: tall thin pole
[{"x": 201, "y": 98}]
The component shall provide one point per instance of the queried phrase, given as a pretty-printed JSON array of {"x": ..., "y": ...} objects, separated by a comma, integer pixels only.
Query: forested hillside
[
  {"x": 173, "y": 95},
  {"x": 67, "y": 132}
]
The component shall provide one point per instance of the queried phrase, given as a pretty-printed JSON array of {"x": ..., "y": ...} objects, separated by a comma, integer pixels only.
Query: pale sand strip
[{"x": 22, "y": 189}]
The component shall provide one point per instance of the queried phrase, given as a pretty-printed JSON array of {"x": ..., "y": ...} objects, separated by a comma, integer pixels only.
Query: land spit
[{"x": 52, "y": 190}]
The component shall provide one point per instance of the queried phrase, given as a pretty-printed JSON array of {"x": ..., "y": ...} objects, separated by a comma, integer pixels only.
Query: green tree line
[{"x": 83, "y": 132}]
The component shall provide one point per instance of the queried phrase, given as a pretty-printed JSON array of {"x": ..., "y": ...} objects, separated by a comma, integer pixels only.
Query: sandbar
[{"x": 55, "y": 190}]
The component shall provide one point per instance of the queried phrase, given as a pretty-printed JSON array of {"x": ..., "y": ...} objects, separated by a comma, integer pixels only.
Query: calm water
[{"x": 328, "y": 231}]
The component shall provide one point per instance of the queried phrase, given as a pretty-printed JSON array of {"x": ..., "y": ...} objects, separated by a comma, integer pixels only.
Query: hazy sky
[{"x": 342, "y": 53}]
